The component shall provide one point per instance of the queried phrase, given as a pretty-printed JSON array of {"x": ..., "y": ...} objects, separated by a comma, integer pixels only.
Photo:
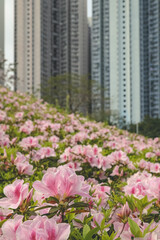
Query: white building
[
  {"x": 115, "y": 58},
  {"x": 51, "y": 38},
  {"x": 150, "y": 58},
  {"x": 32, "y": 44}
]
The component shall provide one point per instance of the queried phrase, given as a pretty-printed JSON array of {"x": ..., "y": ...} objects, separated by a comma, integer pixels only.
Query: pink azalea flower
[
  {"x": 29, "y": 142},
  {"x": 3, "y": 116},
  {"x": 43, "y": 228},
  {"x": 15, "y": 194},
  {"x": 19, "y": 115},
  {"x": 28, "y": 127},
  {"x": 54, "y": 139},
  {"x": 20, "y": 158},
  {"x": 123, "y": 213},
  {"x": 116, "y": 172},
  {"x": 4, "y": 139},
  {"x": 42, "y": 153},
  {"x": 4, "y": 127},
  {"x": 9, "y": 228},
  {"x": 80, "y": 217},
  {"x": 62, "y": 182},
  {"x": 23, "y": 165},
  {"x": 143, "y": 164},
  {"x": 76, "y": 166},
  {"x": 46, "y": 152},
  {"x": 155, "y": 167},
  {"x": 101, "y": 193},
  {"x": 150, "y": 155},
  {"x": 24, "y": 168},
  {"x": 3, "y": 215},
  {"x": 97, "y": 218}
]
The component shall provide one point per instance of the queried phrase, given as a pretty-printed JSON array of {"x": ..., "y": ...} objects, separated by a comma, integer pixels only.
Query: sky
[
  {"x": 9, "y": 27},
  {"x": 9, "y": 30},
  {"x": 89, "y": 8}
]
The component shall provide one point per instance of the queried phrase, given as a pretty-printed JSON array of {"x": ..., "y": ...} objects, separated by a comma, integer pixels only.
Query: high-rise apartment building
[
  {"x": 51, "y": 38},
  {"x": 74, "y": 34},
  {"x": 115, "y": 59},
  {"x": 73, "y": 45},
  {"x": 32, "y": 44},
  {"x": 126, "y": 59},
  {"x": 150, "y": 57}
]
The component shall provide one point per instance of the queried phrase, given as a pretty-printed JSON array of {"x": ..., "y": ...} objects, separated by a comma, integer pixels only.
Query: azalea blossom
[
  {"x": 62, "y": 182},
  {"x": 9, "y": 228},
  {"x": 15, "y": 194},
  {"x": 29, "y": 142}
]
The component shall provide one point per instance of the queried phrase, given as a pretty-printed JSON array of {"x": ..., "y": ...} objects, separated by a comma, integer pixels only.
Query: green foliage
[
  {"x": 69, "y": 91},
  {"x": 135, "y": 229},
  {"x": 149, "y": 127}
]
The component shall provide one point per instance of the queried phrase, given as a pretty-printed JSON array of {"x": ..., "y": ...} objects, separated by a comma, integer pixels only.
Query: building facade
[
  {"x": 115, "y": 59},
  {"x": 100, "y": 56},
  {"x": 51, "y": 39},
  {"x": 32, "y": 44},
  {"x": 150, "y": 58}
]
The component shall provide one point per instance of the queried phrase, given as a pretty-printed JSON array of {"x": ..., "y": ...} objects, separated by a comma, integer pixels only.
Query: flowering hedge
[{"x": 64, "y": 177}]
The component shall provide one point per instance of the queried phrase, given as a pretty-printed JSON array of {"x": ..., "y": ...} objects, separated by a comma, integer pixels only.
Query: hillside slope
[{"x": 64, "y": 177}]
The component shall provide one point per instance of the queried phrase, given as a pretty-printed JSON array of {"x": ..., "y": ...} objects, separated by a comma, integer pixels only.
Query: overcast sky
[
  {"x": 89, "y": 8},
  {"x": 9, "y": 28}
]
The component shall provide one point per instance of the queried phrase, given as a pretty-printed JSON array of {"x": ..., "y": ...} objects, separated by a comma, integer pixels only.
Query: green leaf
[
  {"x": 105, "y": 236},
  {"x": 147, "y": 228},
  {"x": 131, "y": 202},
  {"x": 78, "y": 221},
  {"x": 87, "y": 219},
  {"x": 75, "y": 235},
  {"x": 53, "y": 209},
  {"x": 47, "y": 206},
  {"x": 52, "y": 212},
  {"x": 152, "y": 230},
  {"x": 91, "y": 233},
  {"x": 103, "y": 224},
  {"x": 135, "y": 230},
  {"x": 52, "y": 199},
  {"x": 86, "y": 230},
  {"x": 70, "y": 216},
  {"x": 3, "y": 221},
  {"x": 79, "y": 204}
]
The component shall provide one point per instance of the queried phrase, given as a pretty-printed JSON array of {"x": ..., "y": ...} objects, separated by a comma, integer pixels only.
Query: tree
[
  {"x": 7, "y": 73},
  {"x": 71, "y": 91},
  {"x": 149, "y": 127}
]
